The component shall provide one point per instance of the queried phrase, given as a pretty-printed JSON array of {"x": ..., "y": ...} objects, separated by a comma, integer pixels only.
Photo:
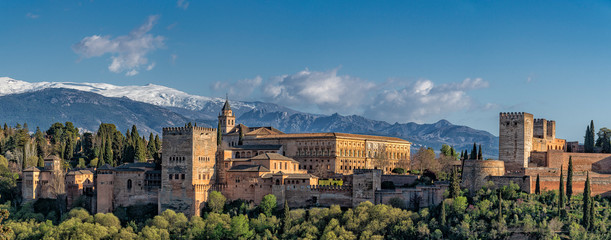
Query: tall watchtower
[
  {"x": 188, "y": 168},
  {"x": 515, "y": 139},
  {"x": 227, "y": 119}
]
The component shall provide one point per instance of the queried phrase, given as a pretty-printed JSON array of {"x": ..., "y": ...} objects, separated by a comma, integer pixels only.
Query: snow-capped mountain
[
  {"x": 150, "y": 93},
  {"x": 151, "y": 107}
]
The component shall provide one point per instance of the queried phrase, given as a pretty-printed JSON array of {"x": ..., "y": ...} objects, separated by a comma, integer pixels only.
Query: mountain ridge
[{"x": 205, "y": 110}]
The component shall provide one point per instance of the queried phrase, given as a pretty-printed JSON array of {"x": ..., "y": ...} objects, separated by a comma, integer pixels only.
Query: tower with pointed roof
[{"x": 226, "y": 118}]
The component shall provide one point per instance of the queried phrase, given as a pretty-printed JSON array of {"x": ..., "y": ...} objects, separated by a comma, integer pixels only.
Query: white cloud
[
  {"x": 241, "y": 89},
  {"x": 182, "y": 4},
  {"x": 328, "y": 92},
  {"x": 32, "y": 16},
  {"x": 128, "y": 52},
  {"x": 150, "y": 67},
  {"x": 423, "y": 99}
]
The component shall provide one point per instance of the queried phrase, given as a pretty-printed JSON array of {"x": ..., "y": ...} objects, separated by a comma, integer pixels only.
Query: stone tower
[
  {"x": 515, "y": 140},
  {"x": 188, "y": 168},
  {"x": 227, "y": 119}
]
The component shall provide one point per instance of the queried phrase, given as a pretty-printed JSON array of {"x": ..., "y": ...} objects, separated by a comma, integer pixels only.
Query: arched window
[{"x": 129, "y": 184}]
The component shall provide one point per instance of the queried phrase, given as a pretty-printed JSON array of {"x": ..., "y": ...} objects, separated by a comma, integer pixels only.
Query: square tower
[
  {"x": 188, "y": 168},
  {"x": 515, "y": 140}
]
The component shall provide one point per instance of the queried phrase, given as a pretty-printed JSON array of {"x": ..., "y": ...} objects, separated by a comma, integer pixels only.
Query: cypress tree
[
  {"x": 561, "y": 194},
  {"x": 587, "y": 219},
  {"x": 157, "y": 143},
  {"x": 219, "y": 136},
  {"x": 286, "y": 218},
  {"x": 479, "y": 153},
  {"x": 139, "y": 151},
  {"x": 586, "y": 140},
  {"x": 592, "y": 135},
  {"x": 108, "y": 155},
  {"x": 454, "y": 185},
  {"x": 442, "y": 214},
  {"x": 462, "y": 155},
  {"x": 474, "y": 152},
  {"x": 101, "y": 155},
  {"x": 41, "y": 162},
  {"x": 569, "y": 181},
  {"x": 241, "y": 138},
  {"x": 538, "y": 186},
  {"x": 500, "y": 213},
  {"x": 150, "y": 146}
]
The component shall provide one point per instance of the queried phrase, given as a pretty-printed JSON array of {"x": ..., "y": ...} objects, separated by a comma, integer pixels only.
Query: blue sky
[{"x": 397, "y": 61}]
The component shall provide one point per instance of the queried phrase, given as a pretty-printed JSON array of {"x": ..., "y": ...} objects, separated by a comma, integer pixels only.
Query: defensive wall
[
  {"x": 400, "y": 180},
  {"x": 476, "y": 172}
]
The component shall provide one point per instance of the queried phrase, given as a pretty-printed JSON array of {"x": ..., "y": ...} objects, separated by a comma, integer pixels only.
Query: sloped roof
[
  {"x": 264, "y": 131},
  {"x": 333, "y": 134},
  {"x": 258, "y": 147},
  {"x": 226, "y": 106},
  {"x": 79, "y": 172},
  {"x": 253, "y": 130},
  {"x": 106, "y": 167},
  {"x": 31, "y": 169},
  {"x": 272, "y": 156},
  {"x": 248, "y": 168}
]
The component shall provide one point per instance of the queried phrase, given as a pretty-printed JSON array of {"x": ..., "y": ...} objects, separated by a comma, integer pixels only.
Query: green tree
[
  {"x": 216, "y": 202},
  {"x": 589, "y": 138},
  {"x": 241, "y": 137},
  {"x": 454, "y": 184},
  {"x": 442, "y": 214},
  {"x": 5, "y": 232},
  {"x": 219, "y": 135},
  {"x": 480, "y": 156},
  {"x": 569, "y": 181},
  {"x": 108, "y": 154},
  {"x": 500, "y": 210},
  {"x": 139, "y": 151},
  {"x": 41, "y": 162},
  {"x": 587, "y": 199},
  {"x": 538, "y": 186},
  {"x": 561, "y": 195},
  {"x": 286, "y": 217},
  {"x": 240, "y": 228},
  {"x": 474, "y": 152},
  {"x": 150, "y": 147},
  {"x": 268, "y": 204},
  {"x": 41, "y": 143}
]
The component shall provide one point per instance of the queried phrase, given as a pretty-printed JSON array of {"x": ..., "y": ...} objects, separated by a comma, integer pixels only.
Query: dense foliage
[{"x": 489, "y": 214}]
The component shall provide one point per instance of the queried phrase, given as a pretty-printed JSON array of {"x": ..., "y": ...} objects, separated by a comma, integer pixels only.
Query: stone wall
[
  {"x": 525, "y": 182},
  {"x": 600, "y": 183},
  {"x": 475, "y": 173},
  {"x": 426, "y": 196},
  {"x": 125, "y": 195},
  {"x": 104, "y": 191},
  {"x": 187, "y": 153},
  {"x": 365, "y": 183},
  {"x": 400, "y": 180},
  {"x": 515, "y": 139}
]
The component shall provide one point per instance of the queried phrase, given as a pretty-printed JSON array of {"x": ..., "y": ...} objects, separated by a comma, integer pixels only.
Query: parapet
[
  {"x": 183, "y": 130},
  {"x": 514, "y": 115}
]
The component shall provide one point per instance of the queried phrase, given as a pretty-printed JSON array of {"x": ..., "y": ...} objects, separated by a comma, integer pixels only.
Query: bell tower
[{"x": 226, "y": 118}]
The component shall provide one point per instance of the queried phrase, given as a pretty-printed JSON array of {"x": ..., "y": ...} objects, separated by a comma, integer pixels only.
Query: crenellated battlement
[
  {"x": 174, "y": 130},
  {"x": 540, "y": 120},
  {"x": 512, "y": 115}
]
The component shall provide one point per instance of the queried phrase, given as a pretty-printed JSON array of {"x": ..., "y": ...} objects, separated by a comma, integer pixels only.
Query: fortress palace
[
  {"x": 246, "y": 163},
  {"x": 528, "y": 147}
]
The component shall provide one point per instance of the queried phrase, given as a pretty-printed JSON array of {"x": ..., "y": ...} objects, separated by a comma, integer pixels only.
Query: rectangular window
[
  {"x": 183, "y": 176},
  {"x": 170, "y": 176}
]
